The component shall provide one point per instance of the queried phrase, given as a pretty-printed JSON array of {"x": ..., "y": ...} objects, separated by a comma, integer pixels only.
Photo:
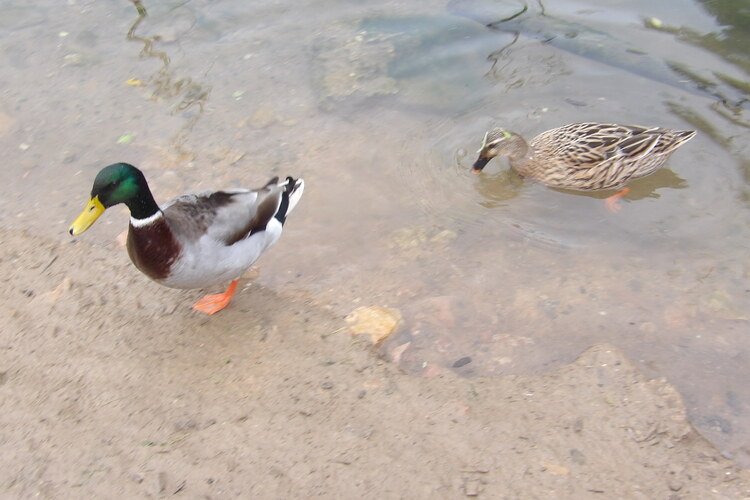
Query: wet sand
[{"x": 112, "y": 387}]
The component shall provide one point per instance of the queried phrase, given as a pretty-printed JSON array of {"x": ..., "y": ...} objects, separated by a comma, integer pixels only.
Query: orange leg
[
  {"x": 613, "y": 202},
  {"x": 211, "y": 304}
]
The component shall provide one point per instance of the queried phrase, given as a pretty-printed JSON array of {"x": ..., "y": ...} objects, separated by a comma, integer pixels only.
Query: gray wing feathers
[{"x": 225, "y": 216}]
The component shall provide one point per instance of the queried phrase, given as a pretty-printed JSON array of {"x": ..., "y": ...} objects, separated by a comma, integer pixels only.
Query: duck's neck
[
  {"x": 143, "y": 207},
  {"x": 517, "y": 147},
  {"x": 519, "y": 154}
]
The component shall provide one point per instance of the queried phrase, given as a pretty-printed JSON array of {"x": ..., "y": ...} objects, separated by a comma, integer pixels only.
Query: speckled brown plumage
[
  {"x": 585, "y": 156},
  {"x": 153, "y": 249}
]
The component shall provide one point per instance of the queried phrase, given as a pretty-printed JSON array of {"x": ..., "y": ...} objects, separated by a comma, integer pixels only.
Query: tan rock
[{"x": 376, "y": 321}]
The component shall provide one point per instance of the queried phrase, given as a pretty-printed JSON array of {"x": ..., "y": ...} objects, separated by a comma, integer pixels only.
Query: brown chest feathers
[{"x": 153, "y": 249}]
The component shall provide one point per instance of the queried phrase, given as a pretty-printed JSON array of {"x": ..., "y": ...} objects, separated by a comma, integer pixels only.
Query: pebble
[
  {"x": 675, "y": 485},
  {"x": 444, "y": 237},
  {"x": 462, "y": 362},
  {"x": 161, "y": 482},
  {"x": 471, "y": 487},
  {"x": 185, "y": 424},
  {"x": 577, "y": 457},
  {"x": 7, "y": 124},
  {"x": 398, "y": 351},
  {"x": 262, "y": 118},
  {"x": 74, "y": 59},
  {"x": 376, "y": 321}
]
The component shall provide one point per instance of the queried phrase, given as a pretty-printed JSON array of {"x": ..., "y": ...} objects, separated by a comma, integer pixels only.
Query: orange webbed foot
[
  {"x": 613, "y": 202},
  {"x": 211, "y": 304}
]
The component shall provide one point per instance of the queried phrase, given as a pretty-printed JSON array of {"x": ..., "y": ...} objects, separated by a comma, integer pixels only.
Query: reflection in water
[
  {"x": 640, "y": 188},
  {"x": 496, "y": 189},
  {"x": 583, "y": 41},
  {"x": 733, "y": 40},
  {"x": 166, "y": 85},
  {"x": 730, "y": 44}
]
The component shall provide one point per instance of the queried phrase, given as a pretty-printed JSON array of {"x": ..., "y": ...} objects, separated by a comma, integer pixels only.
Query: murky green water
[{"x": 380, "y": 108}]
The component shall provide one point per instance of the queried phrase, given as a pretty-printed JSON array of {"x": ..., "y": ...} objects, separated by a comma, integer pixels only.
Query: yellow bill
[{"x": 93, "y": 210}]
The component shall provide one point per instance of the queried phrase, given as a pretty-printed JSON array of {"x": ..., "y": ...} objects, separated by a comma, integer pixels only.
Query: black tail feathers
[{"x": 281, "y": 213}]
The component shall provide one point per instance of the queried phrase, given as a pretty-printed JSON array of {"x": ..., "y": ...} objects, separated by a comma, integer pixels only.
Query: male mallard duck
[
  {"x": 196, "y": 240},
  {"x": 585, "y": 156}
]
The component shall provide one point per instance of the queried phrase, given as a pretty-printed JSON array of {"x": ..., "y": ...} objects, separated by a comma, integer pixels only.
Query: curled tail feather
[{"x": 290, "y": 197}]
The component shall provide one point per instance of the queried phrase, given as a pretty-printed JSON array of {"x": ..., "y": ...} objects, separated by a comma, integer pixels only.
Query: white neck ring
[{"x": 145, "y": 222}]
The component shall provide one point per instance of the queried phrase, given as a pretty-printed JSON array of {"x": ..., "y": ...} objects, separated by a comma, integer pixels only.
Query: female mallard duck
[
  {"x": 196, "y": 240},
  {"x": 585, "y": 156}
]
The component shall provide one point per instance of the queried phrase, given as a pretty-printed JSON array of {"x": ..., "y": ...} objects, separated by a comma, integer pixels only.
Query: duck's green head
[
  {"x": 495, "y": 143},
  {"x": 116, "y": 183}
]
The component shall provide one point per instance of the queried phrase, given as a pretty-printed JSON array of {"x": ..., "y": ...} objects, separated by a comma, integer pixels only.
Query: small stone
[
  {"x": 185, "y": 424},
  {"x": 398, "y": 351},
  {"x": 647, "y": 327},
  {"x": 161, "y": 482},
  {"x": 578, "y": 425},
  {"x": 138, "y": 478},
  {"x": 68, "y": 157},
  {"x": 462, "y": 362},
  {"x": 431, "y": 370},
  {"x": 555, "y": 470},
  {"x": 376, "y": 321},
  {"x": 168, "y": 34},
  {"x": 253, "y": 273},
  {"x": 54, "y": 295},
  {"x": 74, "y": 59},
  {"x": 327, "y": 385},
  {"x": 262, "y": 118},
  {"x": 122, "y": 239},
  {"x": 405, "y": 238},
  {"x": 444, "y": 237},
  {"x": 471, "y": 487},
  {"x": 577, "y": 457},
  {"x": 7, "y": 124}
]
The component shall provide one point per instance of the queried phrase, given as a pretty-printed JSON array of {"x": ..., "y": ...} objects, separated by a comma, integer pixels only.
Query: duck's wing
[
  {"x": 586, "y": 145},
  {"x": 225, "y": 216}
]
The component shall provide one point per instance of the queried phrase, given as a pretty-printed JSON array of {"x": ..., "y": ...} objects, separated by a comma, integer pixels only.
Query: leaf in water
[
  {"x": 134, "y": 82},
  {"x": 124, "y": 139},
  {"x": 237, "y": 94}
]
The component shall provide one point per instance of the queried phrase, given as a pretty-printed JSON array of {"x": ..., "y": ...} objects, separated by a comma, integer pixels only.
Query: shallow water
[{"x": 380, "y": 107}]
